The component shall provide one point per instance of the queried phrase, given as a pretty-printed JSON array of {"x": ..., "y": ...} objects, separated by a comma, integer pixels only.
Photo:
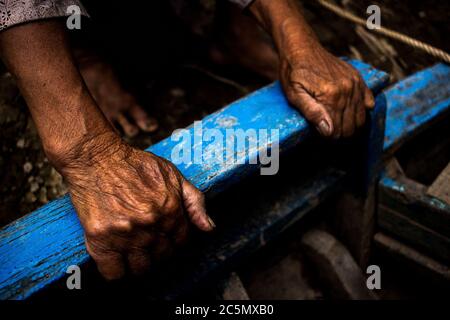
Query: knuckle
[
  {"x": 371, "y": 99},
  {"x": 98, "y": 250},
  {"x": 123, "y": 226},
  {"x": 356, "y": 78},
  {"x": 169, "y": 224},
  {"x": 172, "y": 205},
  {"x": 97, "y": 230},
  {"x": 167, "y": 203},
  {"x": 331, "y": 89},
  {"x": 98, "y": 255},
  {"x": 346, "y": 85},
  {"x": 296, "y": 87},
  {"x": 147, "y": 219}
]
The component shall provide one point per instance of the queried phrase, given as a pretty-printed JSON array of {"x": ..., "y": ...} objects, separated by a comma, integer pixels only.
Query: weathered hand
[
  {"x": 132, "y": 206},
  {"x": 329, "y": 92}
]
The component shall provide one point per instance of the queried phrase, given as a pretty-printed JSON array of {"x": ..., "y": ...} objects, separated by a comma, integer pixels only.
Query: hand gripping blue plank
[{"x": 36, "y": 250}]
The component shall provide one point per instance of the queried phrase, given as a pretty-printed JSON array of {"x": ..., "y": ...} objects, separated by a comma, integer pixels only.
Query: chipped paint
[{"x": 414, "y": 103}]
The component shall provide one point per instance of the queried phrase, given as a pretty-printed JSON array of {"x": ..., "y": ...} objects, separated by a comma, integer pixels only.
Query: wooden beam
[
  {"x": 416, "y": 235},
  {"x": 233, "y": 288},
  {"x": 408, "y": 212},
  {"x": 335, "y": 266},
  {"x": 405, "y": 209},
  {"x": 415, "y": 103},
  {"x": 409, "y": 198},
  {"x": 416, "y": 259},
  {"x": 440, "y": 188}
]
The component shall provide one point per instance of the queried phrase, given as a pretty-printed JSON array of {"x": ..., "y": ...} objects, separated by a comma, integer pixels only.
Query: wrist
[
  {"x": 81, "y": 136},
  {"x": 75, "y": 130},
  {"x": 284, "y": 21},
  {"x": 86, "y": 152}
]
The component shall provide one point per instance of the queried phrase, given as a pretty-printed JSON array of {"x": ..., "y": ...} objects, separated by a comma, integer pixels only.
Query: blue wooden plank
[
  {"x": 414, "y": 103},
  {"x": 37, "y": 249},
  {"x": 409, "y": 198}
]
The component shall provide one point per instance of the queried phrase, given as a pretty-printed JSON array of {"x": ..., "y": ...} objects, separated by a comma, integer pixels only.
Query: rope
[{"x": 438, "y": 53}]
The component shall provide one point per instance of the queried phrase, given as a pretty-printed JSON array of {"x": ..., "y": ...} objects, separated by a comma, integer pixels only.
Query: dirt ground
[{"x": 190, "y": 87}]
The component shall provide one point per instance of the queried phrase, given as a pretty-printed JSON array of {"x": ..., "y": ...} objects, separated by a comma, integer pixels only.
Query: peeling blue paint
[{"x": 414, "y": 103}]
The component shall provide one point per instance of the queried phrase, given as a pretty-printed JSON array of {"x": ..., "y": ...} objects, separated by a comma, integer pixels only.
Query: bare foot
[
  {"x": 118, "y": 105},
  {"x": 244, "y": 43}
]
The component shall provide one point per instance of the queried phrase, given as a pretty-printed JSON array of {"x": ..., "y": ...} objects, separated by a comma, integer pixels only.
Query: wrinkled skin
[
  {"x": 134, "y": 207},
  {"x": 328, "y": 91}
]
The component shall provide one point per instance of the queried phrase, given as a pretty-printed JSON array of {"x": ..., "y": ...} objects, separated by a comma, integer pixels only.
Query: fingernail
[
  {"x": 324, "y": 128},
  {"x": 211, "y": 222}
]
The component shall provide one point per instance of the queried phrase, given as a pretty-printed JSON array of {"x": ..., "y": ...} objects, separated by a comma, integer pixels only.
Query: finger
[
  {"x": 181, "y": 234},
  {"x": 144, "y": 238},
  {"x": 369, "y": 100},
  {"x": 194, "y": 203},
  {"x": 314, "y": 112},
  {"x": 172, "y": 215},
  {"x": 348, "y": 120},
  {"x": 360, "y": 116},
  {"x": 142, "y": 119},
  {"x": 162, "y": 249},
  {"x": 139, "y": 261},
  {"x": 337, "y": 117},
  {"x": 129, "y": 129},
  {"x": 339, "y": 107},
  {"x": 110, "y": 264}
]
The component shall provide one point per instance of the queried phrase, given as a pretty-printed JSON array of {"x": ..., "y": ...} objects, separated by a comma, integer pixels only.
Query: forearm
[
  {"x": 67, "y": 118},
  {"x": 284, "y": 21}
]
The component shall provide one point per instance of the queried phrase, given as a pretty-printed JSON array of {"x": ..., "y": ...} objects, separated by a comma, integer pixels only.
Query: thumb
[
  {"x": 314, "y": 112},
  {"x": 194, "y": 203}
]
